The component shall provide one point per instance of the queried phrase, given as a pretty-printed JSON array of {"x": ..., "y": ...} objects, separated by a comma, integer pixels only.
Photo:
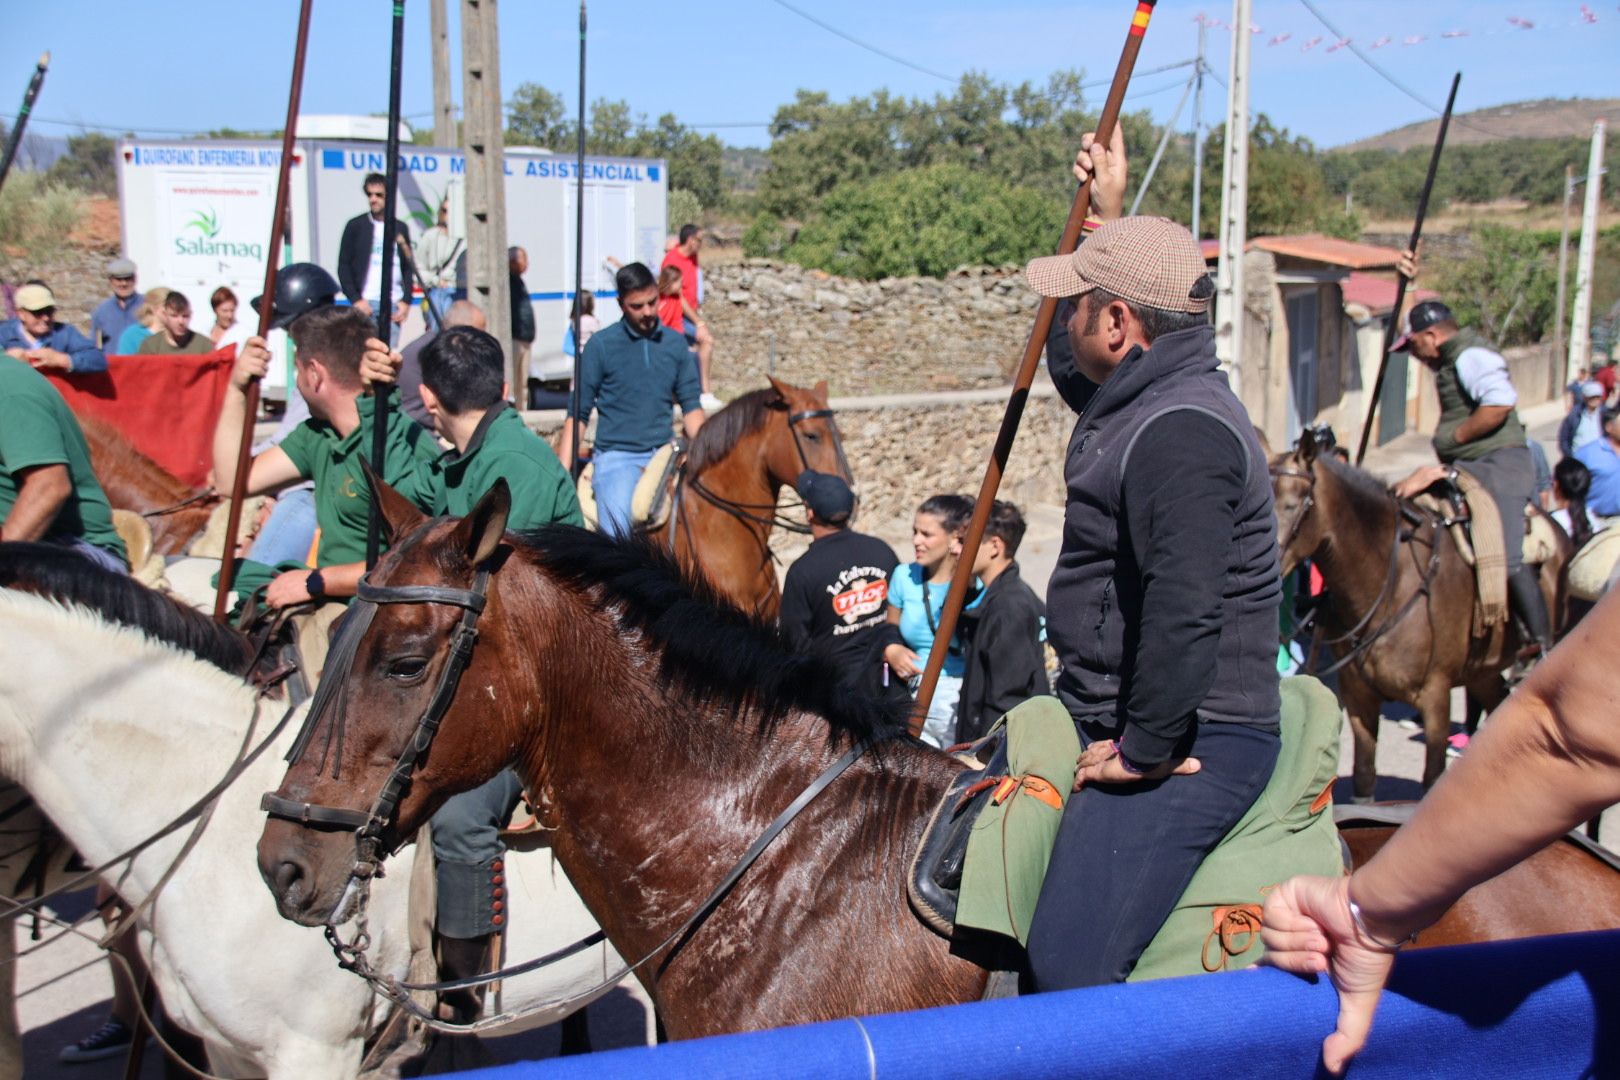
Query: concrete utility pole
[
  {"x": 1580, "y": 329},
  {"x": 484, "y": 143},
  {"x": 1198, "y": 130},
  {"x": 444, "y": 111},
  {"x": 1234, "y": 205},
  {"x": 1559, "y": 311}
]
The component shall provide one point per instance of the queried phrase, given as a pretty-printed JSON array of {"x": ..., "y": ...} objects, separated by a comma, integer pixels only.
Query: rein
[
  {"x": 200, "y": 497},
  {"x": 773, "y": 517},
  {"x": 1360, "y": 645},
  {"x": 369, "y": 826}
]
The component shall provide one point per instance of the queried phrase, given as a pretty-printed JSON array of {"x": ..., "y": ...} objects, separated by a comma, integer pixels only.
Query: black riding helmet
[{"x": 300, "y": 289}]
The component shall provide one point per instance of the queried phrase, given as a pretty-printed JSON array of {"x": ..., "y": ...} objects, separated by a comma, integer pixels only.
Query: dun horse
[
  {"x": 660, "y": 732},
  {"x": 133, "y": 481},
  {"x": 725, "y": 499},
  {"x": 1399, "y": 606}
]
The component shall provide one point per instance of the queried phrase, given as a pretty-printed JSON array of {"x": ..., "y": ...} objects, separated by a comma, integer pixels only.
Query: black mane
[
  {"x": 707, "y": 647},
  {"x": 1362, "y": 484},
  {"x": 58, "y": 574},
  {"x": 721, "y": 431}
]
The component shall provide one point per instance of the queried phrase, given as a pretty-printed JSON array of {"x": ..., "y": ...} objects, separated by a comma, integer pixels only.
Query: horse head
[
  {"x": 389, "y": 738},
  {"x": 809, "y": 439},
  {"x": 1293, "y": 488}
]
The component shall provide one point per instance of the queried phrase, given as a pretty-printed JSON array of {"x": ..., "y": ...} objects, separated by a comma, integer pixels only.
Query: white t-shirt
[
  {"x": 1484, "y": 375},
  {"x": 373, "y": 287}
]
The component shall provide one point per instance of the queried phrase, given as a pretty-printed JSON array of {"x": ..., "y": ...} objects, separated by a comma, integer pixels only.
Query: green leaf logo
[
  {"x": 424, "y": 212},
  {"x": 205, "y": 222}
]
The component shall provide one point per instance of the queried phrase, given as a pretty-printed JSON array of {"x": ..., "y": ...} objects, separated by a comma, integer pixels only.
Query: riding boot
[
  {"x": 463, "y": 958},
  {"x": 1524, "y": 596}
]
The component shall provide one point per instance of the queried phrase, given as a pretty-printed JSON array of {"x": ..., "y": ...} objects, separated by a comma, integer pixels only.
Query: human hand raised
[
  {"x": 252, "y": 362},
  {"x": 1307, "y": 928},
  {"x": 379, "y": 364},
  {"x": 1105, "y": 166}
]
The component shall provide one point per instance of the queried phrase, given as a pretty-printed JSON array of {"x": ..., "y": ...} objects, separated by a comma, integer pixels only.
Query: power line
[
  {"x": 1392, "y": 80},
  {"x": 865, "y": 45}
]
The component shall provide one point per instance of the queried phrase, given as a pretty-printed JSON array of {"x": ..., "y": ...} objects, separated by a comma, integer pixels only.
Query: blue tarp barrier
[{"x": 1542, "y": 1007}]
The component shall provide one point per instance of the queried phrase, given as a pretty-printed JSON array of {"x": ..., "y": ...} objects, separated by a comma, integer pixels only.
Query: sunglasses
[{"x": 45, "y": 312}]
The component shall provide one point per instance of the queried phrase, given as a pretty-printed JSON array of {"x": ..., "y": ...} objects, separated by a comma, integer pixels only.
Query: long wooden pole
[
  {"x": 576, "y": 466},
  {"x": 278, "y": 221},
  {"x": 1393, "y": 326},
  {"x": 385, "y": 306},
  {"x": 1044, "y": 314},
  {"x": 31, "y": 95}
]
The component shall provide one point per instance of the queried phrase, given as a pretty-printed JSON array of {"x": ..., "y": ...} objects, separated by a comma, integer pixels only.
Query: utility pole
[
  {"x": 444, "y": 112},
  {"x": 1580, "y": 330},
  {"x": 1559, "y": 311},
  {"x": 1234, "y": 205},
  {"x": 1198, "y": 131},
  {"x": 484, "y": 143}
]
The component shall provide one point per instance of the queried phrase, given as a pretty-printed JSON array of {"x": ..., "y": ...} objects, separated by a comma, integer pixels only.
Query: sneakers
[
  {"x": 1457, "y": 744},
  {"x": 710, "y": 403},
  {"x": 108, "y": 1040}
]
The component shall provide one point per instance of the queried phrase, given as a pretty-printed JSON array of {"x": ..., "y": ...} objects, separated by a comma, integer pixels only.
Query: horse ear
[
  {"x": 1307, "y": 446},
  {"x": 782, "y": 389},
  {"x": 479, "y": 533},
  {"x": 399, "y": 514},
  {"x": 820, "y": 389}
]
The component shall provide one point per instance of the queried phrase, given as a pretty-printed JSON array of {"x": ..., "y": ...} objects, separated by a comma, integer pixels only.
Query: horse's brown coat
[
  {"x": 133, "y": 481},
  {"x": 1345, "y": 522}
]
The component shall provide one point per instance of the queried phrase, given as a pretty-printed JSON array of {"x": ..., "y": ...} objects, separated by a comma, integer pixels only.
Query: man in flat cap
[
  {"x": 1163, "y": 604},
  {"x": 119, "y": 311}
]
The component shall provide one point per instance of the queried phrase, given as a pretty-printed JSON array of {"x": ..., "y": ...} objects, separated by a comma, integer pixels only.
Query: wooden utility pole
[
  {"x": 1234, "y": 205},
  {"x": 444, "y": 110},
  {"x": 1580, "y": 325},
  {"x": 484, "y": 143}
]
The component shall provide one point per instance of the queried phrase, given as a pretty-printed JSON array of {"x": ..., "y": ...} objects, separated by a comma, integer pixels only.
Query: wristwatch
[{"x": 315, "y": 585}]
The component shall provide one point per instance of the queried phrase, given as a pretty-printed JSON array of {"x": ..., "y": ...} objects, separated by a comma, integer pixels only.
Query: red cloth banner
[{"x": 165, "y": 406}]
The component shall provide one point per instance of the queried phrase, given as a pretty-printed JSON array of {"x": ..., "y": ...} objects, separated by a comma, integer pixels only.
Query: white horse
[{"x": 115, "y": 731}]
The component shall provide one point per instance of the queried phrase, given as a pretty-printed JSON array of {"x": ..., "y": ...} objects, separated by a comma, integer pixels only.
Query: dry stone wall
[{"x": 897, "y": 335}]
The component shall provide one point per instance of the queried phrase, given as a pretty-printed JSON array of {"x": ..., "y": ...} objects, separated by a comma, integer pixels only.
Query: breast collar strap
[{"x": 369, "y": 825}]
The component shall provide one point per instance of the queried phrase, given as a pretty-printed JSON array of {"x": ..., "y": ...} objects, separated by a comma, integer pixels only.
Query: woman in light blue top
[
  {"x": 917, "y": 597},
  {"x": 136, "y": 332}
]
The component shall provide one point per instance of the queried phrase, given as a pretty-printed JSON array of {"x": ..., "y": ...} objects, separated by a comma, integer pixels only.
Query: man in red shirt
[{"x": 684, "y": 257}]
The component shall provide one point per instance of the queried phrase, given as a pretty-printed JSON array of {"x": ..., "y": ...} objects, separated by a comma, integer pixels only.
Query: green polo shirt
[
  {"x": 38, "y": 428},
  {"x": 503, "y": 446},
  {"x": 332, "y": 461}
]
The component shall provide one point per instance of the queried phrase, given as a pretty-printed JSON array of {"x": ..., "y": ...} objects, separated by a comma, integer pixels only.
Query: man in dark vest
[
  {"x": 1163, "y": 603},
  {"x": 1480, "y": 433}
]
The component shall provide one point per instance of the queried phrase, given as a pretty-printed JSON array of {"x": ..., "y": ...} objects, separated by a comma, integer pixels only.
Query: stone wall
[{"x": 898, "y": 335}]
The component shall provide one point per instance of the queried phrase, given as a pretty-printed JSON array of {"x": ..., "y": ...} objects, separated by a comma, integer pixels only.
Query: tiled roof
[
  {"x": 1325, "y": 249},
  {"x": 1376, "y": 292}
]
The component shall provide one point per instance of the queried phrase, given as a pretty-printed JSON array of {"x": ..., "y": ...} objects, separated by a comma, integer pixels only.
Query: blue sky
[{"x": 186, "y": 65}]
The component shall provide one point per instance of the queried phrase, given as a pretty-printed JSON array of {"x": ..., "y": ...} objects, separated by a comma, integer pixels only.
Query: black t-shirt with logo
[{"x": 836, "y": 595}]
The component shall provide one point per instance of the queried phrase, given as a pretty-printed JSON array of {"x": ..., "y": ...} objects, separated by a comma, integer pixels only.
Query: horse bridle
[
  {"x": 770, "y": 518},
  {"x": 1305, "y": 504},
  {"x": 369, "y": 825}
]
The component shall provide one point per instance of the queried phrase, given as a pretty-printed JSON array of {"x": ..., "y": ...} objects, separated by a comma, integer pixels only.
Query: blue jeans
[
  {"x": 441, "y": 300},
  {"x": 613, "y": 481},
  {"x": 1125, "y": 853},
  {"x": 289, "y": 531}
]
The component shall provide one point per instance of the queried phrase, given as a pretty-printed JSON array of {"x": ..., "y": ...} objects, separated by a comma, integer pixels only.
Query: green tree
[
  {"x": 537, "y": 117},
  {"x": 88, "y": 165},
  {"x": 1506, "y": 288},
  {"x": 926, "y": 221}
]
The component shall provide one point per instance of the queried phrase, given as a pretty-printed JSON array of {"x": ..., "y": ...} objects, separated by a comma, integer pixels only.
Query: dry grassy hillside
[{"x": 1544, "y": 119}]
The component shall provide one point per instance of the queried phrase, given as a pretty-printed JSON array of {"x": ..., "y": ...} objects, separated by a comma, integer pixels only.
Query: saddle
[
  {"x": 1215, "y": 926},
  {"x": 650, "y": 505},
  {"x": 1469, "y": 513}
]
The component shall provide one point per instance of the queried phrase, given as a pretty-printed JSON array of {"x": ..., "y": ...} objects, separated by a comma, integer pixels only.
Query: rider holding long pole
[{"x": 1163, "y": 603}]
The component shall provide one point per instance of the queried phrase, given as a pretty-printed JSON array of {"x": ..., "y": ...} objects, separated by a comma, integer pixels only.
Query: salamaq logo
[{"x": 217, "y": 248}]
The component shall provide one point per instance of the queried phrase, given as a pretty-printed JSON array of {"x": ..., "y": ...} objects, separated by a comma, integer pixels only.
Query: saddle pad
[
  {"x": 1540, "y": 537},
  {"x": 648, "y": 507},
  {"x": 1490, "y": 560},
  {"x": 1287, "y": 831},
  {"x": 1589, "y": 570},
  {"x": 1010, "y": 844}
]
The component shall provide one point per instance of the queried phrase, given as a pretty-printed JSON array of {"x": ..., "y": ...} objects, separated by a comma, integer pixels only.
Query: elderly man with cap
[
  {"x": 334, "y": 345},
  {"x": 834, "y": 595},
  {"x": 1163, "y": 604},
  {"x": 1584, "y": 424},
  {"x": 121, "y": 310},
  {"x": 1479, "y": 432},
  {"x": 37, "y": 339}
]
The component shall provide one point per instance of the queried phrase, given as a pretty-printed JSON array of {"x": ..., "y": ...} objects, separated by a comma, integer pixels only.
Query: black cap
[
  {"x": 1421, "y": 317},
  {"x": 300, "y": 289},
  {"x": 827, "y": 496}
]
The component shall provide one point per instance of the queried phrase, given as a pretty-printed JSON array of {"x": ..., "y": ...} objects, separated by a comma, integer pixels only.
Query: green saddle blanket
[{"x": 1215, "y": 926}]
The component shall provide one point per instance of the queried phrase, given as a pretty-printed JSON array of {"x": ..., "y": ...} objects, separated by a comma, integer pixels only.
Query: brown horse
[
  {"x": 1400, "y": 599},
  {"x": 133, "y": 481},
  {"x": 726, "y": 496},
  {"x": 659, "y": 732}
]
